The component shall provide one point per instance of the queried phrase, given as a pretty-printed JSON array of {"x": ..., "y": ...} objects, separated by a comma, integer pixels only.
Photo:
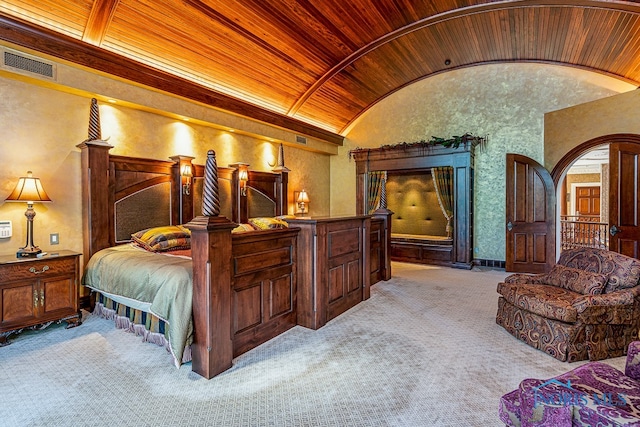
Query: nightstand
[{"x": 34, "y": 292}]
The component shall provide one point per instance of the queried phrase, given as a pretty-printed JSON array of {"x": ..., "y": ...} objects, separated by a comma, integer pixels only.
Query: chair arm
[
  {"x": 523, "y": 278},
  {"x": 615, "y": 308},
  {"x": 632, "y": 368}
]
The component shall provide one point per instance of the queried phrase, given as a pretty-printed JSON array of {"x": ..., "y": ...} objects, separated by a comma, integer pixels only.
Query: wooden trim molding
[
  {"x": 84, "y": 54},
  {"x": 566, "y": 161}
]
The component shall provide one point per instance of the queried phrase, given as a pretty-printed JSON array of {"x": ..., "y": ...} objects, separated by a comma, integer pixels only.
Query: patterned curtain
[
  {"x": 374, "y": 183},
  {"x": 443, "y": 182}
]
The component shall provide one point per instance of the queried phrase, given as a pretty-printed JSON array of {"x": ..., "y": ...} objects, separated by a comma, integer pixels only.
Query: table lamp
[
  {"x": 303, "y": 200},
  {"x": 30, "y": 190}
]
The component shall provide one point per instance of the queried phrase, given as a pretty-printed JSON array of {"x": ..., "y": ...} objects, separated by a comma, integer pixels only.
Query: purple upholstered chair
[{"x": 594, "y": 394}]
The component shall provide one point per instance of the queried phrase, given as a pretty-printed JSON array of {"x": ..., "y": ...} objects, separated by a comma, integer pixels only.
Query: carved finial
[
  {"x": 280, "y": 167},
  {"x": 94, "y": 121},
  {"x": 210, "y": 198}
]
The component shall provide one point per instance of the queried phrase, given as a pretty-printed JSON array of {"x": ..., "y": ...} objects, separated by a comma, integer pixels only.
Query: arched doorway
[
  {"x": 623, "y": 222},
  {"x": 582, "y": 197}
]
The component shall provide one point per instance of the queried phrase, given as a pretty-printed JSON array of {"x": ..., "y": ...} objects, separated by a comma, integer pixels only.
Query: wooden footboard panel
[{"x": 263, "y": 286}]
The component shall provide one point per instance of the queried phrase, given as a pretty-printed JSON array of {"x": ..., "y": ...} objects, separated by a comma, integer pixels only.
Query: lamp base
[{"x": 31, "y": 252}]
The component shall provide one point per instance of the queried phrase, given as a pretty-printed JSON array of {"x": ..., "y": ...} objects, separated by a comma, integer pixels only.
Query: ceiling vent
[
  {"x": 301, "y": 139},
  {"x": 26, "y": 64}
]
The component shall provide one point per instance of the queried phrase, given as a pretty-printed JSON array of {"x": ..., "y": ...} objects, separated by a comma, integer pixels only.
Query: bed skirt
[{"x": 149, "y": 327}]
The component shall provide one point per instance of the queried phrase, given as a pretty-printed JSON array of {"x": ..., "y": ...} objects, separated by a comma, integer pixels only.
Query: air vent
[
  {"x": 27, "y": 64},
  {"x": 301, "y": 139}
]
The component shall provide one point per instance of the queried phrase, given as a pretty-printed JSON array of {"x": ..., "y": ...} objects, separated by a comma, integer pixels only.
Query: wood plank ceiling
[{"x": 320, "y": 64}]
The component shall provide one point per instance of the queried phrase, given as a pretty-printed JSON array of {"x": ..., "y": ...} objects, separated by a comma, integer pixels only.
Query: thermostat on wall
[{"x": 5, "y": 229}]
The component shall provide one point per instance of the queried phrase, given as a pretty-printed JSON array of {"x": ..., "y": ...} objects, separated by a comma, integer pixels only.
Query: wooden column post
[
  {"x": 180, "y": 196},
  {"x": 95, "y": 201},
  {"x": 386, "y": 215},
  {"x": 212, "y": 349}
]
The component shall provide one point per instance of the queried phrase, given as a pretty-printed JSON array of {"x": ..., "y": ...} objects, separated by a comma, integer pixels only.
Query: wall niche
[{"x": 419, "y": 231}]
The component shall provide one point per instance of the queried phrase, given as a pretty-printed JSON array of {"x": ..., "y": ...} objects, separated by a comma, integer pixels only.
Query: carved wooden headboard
[{"x": 122, "y": 195}]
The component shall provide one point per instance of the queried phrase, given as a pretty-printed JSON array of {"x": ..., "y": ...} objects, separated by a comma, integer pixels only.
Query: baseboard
[{"x": 494, "y": 263}]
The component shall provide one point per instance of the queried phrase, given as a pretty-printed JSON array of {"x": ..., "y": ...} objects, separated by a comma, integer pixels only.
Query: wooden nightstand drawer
[{"x": 40, "y": 268}]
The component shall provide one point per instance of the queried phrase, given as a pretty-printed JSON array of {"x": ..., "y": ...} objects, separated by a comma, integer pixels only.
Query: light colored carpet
[{"x": 423, "y": 351}]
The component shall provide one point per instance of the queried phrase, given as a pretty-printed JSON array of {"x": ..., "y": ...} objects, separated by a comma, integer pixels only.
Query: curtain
[
  {"x": 443, "y": 182},
  {"x": 374, "y": 184}
]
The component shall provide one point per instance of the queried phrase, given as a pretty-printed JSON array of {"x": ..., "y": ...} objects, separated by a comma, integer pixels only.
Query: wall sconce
[
  {"x": 30, "y": 190},
  {"x": 244, "y": 177},
  {"x": 187, "y": 174},
  {"x": 302, "y": 200}
]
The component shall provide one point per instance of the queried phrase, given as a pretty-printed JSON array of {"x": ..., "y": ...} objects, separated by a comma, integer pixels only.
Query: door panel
[
  {"x": 530, "y": 202},
  {"x": 588, "y": 201},
  {"x": 624, "y": 201}
]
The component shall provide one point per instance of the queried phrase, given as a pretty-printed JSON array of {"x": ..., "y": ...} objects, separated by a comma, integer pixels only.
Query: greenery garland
[{"x": 453, "y": 142}]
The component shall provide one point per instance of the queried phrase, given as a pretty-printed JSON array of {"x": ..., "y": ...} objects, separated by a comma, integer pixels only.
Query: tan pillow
[
  {"x": 267, "y": 223},
  {"x": 167, "y": 238},
  {"x": 241, "y": 228},
  {"x": 576, "y": 280}
]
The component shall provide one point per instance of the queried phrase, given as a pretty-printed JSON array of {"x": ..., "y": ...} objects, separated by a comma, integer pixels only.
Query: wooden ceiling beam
[
  {"x": 100, "y": 17},
  {"x": 69, "y": 49}
]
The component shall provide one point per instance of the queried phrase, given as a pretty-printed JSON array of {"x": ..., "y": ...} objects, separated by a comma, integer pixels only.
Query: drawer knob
[{"x": 34, "y": 271}]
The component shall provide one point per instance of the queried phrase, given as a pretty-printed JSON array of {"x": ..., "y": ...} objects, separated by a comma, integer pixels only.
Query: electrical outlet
[{"x": 54, "y": 239}]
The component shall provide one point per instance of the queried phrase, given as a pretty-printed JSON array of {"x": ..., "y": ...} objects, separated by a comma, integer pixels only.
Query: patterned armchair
[
  {"x": 586, "y": 307},
  {"x": 594, "y": 394}
]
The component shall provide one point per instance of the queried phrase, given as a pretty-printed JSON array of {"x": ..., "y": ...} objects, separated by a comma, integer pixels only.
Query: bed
[{"x": 228, "y": 294}]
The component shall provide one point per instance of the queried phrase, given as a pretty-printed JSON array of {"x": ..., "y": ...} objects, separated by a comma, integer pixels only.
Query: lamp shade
[
  {"x": 186, "y": 171},
  {"x": 28, "y": 189},
  {"x": 303, "y": 197}
]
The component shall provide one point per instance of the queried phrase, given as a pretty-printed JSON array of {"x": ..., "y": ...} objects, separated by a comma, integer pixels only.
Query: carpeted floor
[{"x": 423, "y": 351}]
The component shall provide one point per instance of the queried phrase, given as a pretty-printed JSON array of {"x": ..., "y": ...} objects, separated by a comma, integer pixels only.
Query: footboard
[
  {"x": 263, "y": 286},
  {"x": 244, "y": 290}
]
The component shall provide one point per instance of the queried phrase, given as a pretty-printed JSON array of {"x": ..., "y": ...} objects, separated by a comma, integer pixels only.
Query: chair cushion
[
  {"x": 580, "y": 281},
  {"x": 623, "y": 271},
  {"x": 547, "y": 301},
  {"x": 592, "y": 394}
]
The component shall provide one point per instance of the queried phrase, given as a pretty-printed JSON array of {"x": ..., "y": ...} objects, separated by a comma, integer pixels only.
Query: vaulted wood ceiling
[{"x": 315, "y": 66}]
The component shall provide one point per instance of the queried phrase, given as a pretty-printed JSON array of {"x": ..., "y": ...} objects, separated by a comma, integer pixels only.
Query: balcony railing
[{"x": 583, "y": 231}]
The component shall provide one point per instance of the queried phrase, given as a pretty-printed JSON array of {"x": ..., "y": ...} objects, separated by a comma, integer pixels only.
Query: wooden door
[
  {"x": 588, "y": 201},
  {"x": 624, "y": 201},
  {"x": 530, "y": 219}
]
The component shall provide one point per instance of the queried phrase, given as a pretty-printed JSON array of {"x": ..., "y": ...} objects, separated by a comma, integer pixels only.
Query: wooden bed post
[
  {"x": 212, "y": 348},
  {"x": 95, "y": 200},
  {"x": 211, "y": 254}
]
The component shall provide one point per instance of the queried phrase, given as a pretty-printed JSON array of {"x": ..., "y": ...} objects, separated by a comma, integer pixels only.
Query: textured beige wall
[
  {"x": 42, "y": 126},
  {"x": 570, "y": 127},
  {"x": 505, "y": 102}
]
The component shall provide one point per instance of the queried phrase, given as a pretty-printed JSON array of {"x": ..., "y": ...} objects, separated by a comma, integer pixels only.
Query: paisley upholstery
[
  {"x": 586, "y": 308},
  {"x": 594, "y": 394},
  {"x": 548, "y": 301},
  {"x": 623, "y": 271}
]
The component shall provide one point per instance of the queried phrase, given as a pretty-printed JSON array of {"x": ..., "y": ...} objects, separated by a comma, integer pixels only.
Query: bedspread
[{"x": 160, "y": 284}]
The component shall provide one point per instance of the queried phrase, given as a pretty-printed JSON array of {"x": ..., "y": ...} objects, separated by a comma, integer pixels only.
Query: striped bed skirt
[{"x": 151, "y": 328}]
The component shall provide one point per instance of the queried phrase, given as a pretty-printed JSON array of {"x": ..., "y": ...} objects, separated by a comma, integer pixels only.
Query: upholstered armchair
[
  {"x": 594, "y": 394},
  {"x": 586, "y": 307}
]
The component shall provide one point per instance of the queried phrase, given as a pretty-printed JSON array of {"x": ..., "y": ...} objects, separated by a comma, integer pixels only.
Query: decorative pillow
[
  {"x": 576, "y": 280},
  {"x": 241, "y": 228},
  {"x": 167, "y": 238},
  {"x": 266, "y": 223}
]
